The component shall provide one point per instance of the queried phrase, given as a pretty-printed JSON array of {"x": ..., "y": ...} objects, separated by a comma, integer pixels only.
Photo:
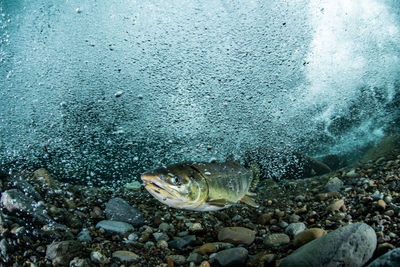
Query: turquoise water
[{"x": 101, "y": 91}]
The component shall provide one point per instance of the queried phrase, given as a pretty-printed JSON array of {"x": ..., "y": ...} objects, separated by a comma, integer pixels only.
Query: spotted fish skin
[{"x": 200, "y": 186}]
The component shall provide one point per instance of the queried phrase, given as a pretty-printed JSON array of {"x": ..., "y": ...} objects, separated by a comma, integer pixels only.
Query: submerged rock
[
  {"x": 390, "y": 259},
  {"x": 115, "y": 227},
  {"x": 125, "y": 256},
  {"x": 15, "y": 200},
  {"x": 118, "y": 209},
  {"x": 61, "y": 253},
  {"x": 352, "y": 245},
  {"x": 231, "y": 257},
  {"x": 180, "y": 243}
]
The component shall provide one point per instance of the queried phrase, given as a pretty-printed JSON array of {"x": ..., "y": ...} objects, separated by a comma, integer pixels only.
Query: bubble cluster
[{"x": 101, "y": 92}]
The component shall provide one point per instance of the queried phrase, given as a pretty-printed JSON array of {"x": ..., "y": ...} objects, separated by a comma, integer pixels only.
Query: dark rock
[
  {"x": 195, "y": 257},
  {"x": 334, "y": 161},
  {"x": 332, "y": 188},
  {"x": 352, "y": 245},
  {"x": 118, "y": 209},
  {"x": 77, "y": 262},
  {"x": 63, "y": 252},
  {"x": 26, "y": 188},
  {"x": 115, "y": 227},
  {"x": 232, "y": 257},
  {"x": 84, "y": 236},
  {"x": 390, "y": 259},
  {"x": 180, "y": 243},
  {"x": 4, "y": 247},
  {"x": 15, "y": 200}
]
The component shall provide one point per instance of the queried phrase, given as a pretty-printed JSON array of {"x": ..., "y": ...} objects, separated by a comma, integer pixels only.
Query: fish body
[{"x": 200, "y": 186}]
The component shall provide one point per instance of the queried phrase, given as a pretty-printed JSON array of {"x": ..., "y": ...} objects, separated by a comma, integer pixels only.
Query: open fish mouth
[{"x": 150, "y": 185}]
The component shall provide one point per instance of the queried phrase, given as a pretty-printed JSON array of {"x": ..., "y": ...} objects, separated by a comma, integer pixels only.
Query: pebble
[
  {"x": 389, "y": 259},
  {"x": 196, "y": 227},
  {"x": 4, "y": 247},
  {"x": 162, "y": 244},
  {"x": 97, "y": 257},
  {"x": 382, "y": 204},
  {"x": 164, "y": 227},
  {"x": 181, "y": 243},
  {"x": 77, "y": 262},
  {"x": 115, "y": 227},
  {"x": 276, "y": 240},
  {"x": 351, "y": 245},
  {"x": 294, "y": 218},
  {"x": 231, "y": 257},
  {"x": 84, "y": 235},
  {"x": 125, "y": 256},
  {"x": 161, "y": 236},
  {"x": 118, "y": 209},
  {"x": 194, "y": 257},
  {"x": 207, "y": 248},
  {"x": 295, "y": 228},
  {"x": 178, "y": 259},
  {"x": 236, "y": 235},
  {"x": 264, "y": 219},
  {"x": 307, "y": 236},
  {"x": 61, "y": 253},
  {"x": 336, "y": 205}
]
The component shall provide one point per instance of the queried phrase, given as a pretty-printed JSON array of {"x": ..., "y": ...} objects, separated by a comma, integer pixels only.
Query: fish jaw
[{"x": 163, "y": 192}]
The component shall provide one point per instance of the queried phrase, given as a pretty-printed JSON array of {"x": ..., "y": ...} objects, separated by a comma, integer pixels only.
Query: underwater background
[
  {"x": 98, "y": 92},
  {"x": 199, "y": 133}
]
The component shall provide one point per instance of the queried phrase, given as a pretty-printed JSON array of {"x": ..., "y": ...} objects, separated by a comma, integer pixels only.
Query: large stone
[
  {"x": 352, "y": 245},
  {"x": 61, "y": 253},
  {"x": 15, "y": 200},
  {"x": 115, "y": 227},
  {"x": 237, "y": 235},
  {"x": 231, "y": 257},
  {"x": 118, "y": 209},
  {"x": 390, "y": 259}
]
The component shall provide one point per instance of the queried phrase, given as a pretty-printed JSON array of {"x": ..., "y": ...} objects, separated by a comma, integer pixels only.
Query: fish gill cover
[{"x": 101, "y": 91}]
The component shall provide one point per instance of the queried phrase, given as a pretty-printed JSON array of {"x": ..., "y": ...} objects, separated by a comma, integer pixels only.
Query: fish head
[{"x": 178, "y": 186}]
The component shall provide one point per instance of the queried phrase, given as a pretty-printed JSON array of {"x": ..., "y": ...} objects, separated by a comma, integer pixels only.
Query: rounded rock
[
  {"x": 307, "y": 235},
  {"x": 276, "y": 240},
  {"x": 237, "y": 235}
]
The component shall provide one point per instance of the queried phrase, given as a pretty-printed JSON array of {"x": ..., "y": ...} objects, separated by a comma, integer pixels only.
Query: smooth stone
[
  {"x": 329, "y": 188},
  {"x": 351, "y": 245},
  {"x": 276, "y": 240},
  {"x": 125, "y": 256},
  {"x": 307, "y": 235},
  {"x": 237, "y": 235},
  {"x": 61, "y": 253},
  {"x": 207, "y": 248},
  {"x": 135, "y": 185},
  {"x": 4, "y": 247},
  {"x": 115, "y": 227},
  {"x": 182, "y": 242},
  {"x": 118, "y": 209},
  {"x": 295, "y": 228},
  {"x": 231, "y": 257},
  {"x": 389, "y": 259},
  {"x": 335, "y": 181}
]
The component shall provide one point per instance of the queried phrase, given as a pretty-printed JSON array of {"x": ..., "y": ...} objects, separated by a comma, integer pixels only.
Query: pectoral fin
[
  {"x": 251, "y": 194},
  {"x": 249, "y": 201},
  {"x": 219, "y": 202}
]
